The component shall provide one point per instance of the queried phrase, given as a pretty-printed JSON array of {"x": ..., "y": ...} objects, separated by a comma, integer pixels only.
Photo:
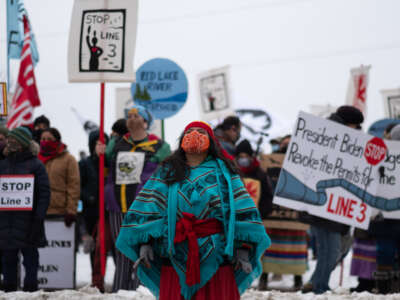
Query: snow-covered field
[{"x": 85, "y": 292}]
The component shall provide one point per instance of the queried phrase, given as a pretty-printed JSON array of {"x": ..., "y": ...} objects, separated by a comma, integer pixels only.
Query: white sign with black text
[
  {"x": 16, "y": 192},
  {"x": 102, "y": 40},
  {"x": 57, "y": 260}
]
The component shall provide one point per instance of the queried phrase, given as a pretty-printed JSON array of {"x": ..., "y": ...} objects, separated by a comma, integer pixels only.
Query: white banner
[
  {"x": 57, "y": 260},
  {"x": 339, "y": 173},
  {"x": 16, "y": 192},
  {"x": 3, "y": 99},
  {"x": 102, "y": 40},
  {"x": 391, "y": 101},
  {"x": 214, "y": 94},
  {"x": 357, "y": 88}
]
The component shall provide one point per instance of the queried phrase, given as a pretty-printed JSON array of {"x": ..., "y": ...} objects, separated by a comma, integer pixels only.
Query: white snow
[{"x": 85, "y": 292}]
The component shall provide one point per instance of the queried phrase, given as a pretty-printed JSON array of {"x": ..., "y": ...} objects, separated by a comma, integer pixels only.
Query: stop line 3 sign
[{"x": 375, "y": 151}]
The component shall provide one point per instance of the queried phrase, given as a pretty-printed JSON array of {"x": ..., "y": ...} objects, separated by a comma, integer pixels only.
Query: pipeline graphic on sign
[{"x": 292, "y": 188}]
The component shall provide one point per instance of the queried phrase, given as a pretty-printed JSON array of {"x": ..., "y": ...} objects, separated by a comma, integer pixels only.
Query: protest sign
[
  {"x": 391, "y": 101},
  {"x": 357, "y": 88},
  {"x": 214, "y": 94},
  {"x": 3, "y": 99},
  {"x": 161, "y": 86},
  {"x": 57, "y": 260},
  {"x": 339, "y": 173},
  {"x": 16, "y": 192},
  {"x": 123, "y": 101},
  {"x": 253, "y": 187},
  {"x": 102, "y": 40}
]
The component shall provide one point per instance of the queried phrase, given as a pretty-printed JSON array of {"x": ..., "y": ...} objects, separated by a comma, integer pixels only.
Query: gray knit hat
[
  {"x": 22, "y": 135},
  {"x": 395, "y": 133}
]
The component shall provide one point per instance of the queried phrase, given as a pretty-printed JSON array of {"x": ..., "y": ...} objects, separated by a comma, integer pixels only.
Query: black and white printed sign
[
  {"x": 57, "y": 260},
  {"x": 214, "y": 94},
  {"x": 16, "y": 192},
  {"x": 129, "y": 167},
  {"x": 102, "y": 40}
]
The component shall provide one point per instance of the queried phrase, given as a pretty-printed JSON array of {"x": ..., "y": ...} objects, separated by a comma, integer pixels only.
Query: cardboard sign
[
  {"x": 253, "y": 187},
  {"x": 3, "y": 99},
  {"x": 102, "y": 40},
  {"x": 339, "y": 173},
  {"x": 16, "y": 192},
  {"x": 161, "y": 86},
  {"x": 57, "y": 260},
  {"x": 129, "y": 167},
  {"x": 391, "y": 101},
  {"x": 214, "y": 94}
]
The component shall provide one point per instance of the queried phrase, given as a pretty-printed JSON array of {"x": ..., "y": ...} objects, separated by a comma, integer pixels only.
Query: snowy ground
[{"x": 86, "y": 293}]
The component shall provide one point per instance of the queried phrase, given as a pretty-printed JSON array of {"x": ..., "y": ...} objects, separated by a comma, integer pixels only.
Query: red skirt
[{"x": 222, "y": 286}]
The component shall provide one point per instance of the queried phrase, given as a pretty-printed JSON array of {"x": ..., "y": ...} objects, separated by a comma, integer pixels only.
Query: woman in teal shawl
[{"x": 193, "y": 230}]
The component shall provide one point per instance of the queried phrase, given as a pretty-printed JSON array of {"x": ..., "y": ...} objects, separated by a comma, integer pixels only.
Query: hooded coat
[{"x": 16, "y": 226}]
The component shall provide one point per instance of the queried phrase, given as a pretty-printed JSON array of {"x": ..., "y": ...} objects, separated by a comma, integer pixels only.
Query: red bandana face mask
[
  {"x": 49, "y": 148},
  {"x": 195, "y": 142}
]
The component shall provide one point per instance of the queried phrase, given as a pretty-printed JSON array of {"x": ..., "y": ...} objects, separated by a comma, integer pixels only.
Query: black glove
[
  {"x": 242, "y": 261},
  {"x": 69, "y": 219},
  {"x": 36, "y": 228}
]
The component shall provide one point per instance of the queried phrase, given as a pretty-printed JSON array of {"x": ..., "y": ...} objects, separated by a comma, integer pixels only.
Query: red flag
[{"x": 26, "y": 96}]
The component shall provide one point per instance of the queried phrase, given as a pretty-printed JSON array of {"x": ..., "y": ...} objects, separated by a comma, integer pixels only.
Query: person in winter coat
[
  {"x": 23, "y": 230},
  {"x": 89, "y": 172},
  {"x": 63, "y": 172},
  {"x": 328, "y": 234},
  {"x": 3, "y": 141},
  {"x": 193, "y": 230},
  {"x": 228, "y": 133},
  {"x": 135, "y": 157}
]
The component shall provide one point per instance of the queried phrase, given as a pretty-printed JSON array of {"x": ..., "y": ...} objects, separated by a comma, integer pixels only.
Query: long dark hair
[{"x": 176, "y": 168}]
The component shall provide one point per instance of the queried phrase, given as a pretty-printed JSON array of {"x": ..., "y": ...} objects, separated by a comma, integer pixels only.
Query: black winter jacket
[{"x": 22, "y": 229}]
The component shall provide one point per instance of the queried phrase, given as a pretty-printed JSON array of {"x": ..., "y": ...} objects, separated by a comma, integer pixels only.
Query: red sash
[{"x": 191, "y": 229}]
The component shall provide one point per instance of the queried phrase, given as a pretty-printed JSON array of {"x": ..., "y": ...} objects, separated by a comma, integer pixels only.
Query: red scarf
[
  {"x": 250, "y": 169},
  {"x": 49, "y": 150}
]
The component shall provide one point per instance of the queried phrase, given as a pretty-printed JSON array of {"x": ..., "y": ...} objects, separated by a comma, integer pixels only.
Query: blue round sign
[
  {"x": 161, "y": 86},
  {"x": 379, "y": 126}
]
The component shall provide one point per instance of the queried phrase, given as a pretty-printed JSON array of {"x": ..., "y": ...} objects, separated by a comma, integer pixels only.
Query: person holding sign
[
  {"x": 64, "y": 176},
  {"x": 193, "y": 230},
  {"x": 135, "y": 157},
  {"x": 24, "y": 199}
]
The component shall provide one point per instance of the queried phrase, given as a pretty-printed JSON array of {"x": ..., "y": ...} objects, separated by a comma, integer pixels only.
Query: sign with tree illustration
[
  {"x": 102, "y": 40},
  {"x": 214, "y": 94},
  {"x": 161, "y": 86},
  {"x": 339, "y": 173}
]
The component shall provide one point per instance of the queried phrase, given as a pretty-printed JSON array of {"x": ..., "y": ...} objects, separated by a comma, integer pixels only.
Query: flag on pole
[
  {"x": 26, "y": 96},
  {"x": 15, "y": 30},
  {"x": 357, "y": 88}
]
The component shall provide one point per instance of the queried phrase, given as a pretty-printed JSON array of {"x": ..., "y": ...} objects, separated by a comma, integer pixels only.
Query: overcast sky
[{"x": 284, "y": 54}]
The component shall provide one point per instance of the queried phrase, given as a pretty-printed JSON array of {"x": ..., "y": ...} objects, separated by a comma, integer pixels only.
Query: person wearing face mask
[
  {"x": 22, "y": 231},
  {"x": 64, "y": 176},
  {"x": 193, "y": 231},
  {"x": 228, "y": 133},
  {"x": 135, "y": 157},
  {"x": 39, "y": 124},
  {"x": 3, "y": 141}
]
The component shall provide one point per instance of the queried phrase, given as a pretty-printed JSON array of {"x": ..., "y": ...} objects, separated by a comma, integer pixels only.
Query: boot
[
  {"x": 263, "y": 283},
  {"x": 395, "y": 282},
  {"x": 30, "y": 288},
  {"x": 364, "y": 285},
  {"x": 382, "y": 281},
  {"x": 9, "y": 288},
  {"x": 298, "y": 282}
]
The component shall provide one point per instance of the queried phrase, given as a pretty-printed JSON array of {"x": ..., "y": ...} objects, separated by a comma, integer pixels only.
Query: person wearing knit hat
[
  {"x": 23, "y": 230},
  {"x": 395, "y": 133},
  {"x": 3, "y": 141},
  {"x": 195, "y": 198},
  {"x": 135, "y": 157},
  {"x": 349, "y": 116}
]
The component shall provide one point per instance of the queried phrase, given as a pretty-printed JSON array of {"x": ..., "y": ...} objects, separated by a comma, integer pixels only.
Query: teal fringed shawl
[{"x": 210, "y": 191}]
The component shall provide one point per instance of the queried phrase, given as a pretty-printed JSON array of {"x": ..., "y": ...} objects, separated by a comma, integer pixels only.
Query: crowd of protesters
[{"x": 155, "y": 200}]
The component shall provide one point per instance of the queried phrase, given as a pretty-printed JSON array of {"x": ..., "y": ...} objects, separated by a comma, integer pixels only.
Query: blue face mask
[
  {"x": 244, "y": 162},
  {"x": 275, "y": 147}
]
